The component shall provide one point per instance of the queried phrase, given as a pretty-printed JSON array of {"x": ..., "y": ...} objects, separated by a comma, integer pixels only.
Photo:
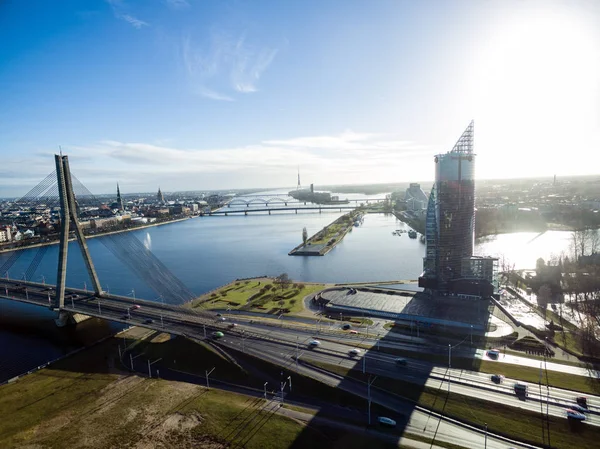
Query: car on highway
[
  {"x": 218, "y": 315},
  {"x": 135, "y": 307},
  {"x": 125, "y": 317},
  {"x": 352, "y": 331},
  {"x": 346, "y": 326},
  {"x": 232, "y": 325},
  {"x": 149, "y": 321},
  {"x": 493, "y": 354},
  {"x": 354, "y": 352},
  {"x": 386, "y": 422},
  {"x": 520, "y": 389},
  {"x": 222, "y": 318},
  {"x": 575, "y": 415},
  {"x": 314, "y": 343},
  {"x": 217, "y": 334},
  {"x": 497, "y": 378},
  {"x": 401, "y": 362}
]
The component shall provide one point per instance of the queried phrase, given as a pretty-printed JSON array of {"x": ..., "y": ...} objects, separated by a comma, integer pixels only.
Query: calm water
[
  {"x": 210, "y": 251},
  {"x": 524, "y": 248}
]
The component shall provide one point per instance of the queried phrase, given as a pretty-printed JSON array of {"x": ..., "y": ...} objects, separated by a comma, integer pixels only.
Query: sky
[{"x": 203, "y": 94}]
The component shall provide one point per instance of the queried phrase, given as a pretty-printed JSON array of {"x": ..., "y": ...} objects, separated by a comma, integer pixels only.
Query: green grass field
[
  {"x": 84, "y": 401},
  {"x": 258, "y": 295}
]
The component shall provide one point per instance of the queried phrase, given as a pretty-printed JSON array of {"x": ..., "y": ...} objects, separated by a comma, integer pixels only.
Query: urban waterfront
[{"x": 210, "y": 251}]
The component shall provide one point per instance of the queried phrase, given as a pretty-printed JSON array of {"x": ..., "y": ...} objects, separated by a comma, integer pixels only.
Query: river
[{"x": 207, "y": 252}]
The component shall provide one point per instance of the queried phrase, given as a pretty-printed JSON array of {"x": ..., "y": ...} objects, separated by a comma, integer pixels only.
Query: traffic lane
[{"x": 441, "y": 384}]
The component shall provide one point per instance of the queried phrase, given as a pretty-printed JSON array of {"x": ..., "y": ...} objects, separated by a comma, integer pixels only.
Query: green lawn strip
[
  {"x": 334, "y": 230},
  {"x": 555, "y": 379},
  {"x": 522, "y": 425},
  {"x": 553, "y": 316},
  {"x": 569, "y": 342},
  {"x": 266, "y": 297},
  {"x": 423, "y": 439}
]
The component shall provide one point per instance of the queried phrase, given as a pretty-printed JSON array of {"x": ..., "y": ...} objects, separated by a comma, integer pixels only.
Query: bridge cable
[
  {"x": 6, "y": 266},
  {"x": 35, "y": 262},
  {"x": 39, "y": 189},
  {"x": 133, "y": 254}
]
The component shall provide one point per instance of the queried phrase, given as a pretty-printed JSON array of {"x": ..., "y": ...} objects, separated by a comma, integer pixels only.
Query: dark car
[
  {"x": 149, "y": 321},
  {"x": 346, "y": 326},
  {"x": 582, "y": 401},
  {"x": 497, "y": 378},
  {"x": 125, "y": 317}
]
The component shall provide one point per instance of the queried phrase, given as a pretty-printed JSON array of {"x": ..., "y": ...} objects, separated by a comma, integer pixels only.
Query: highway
[{"x": 280, "y": 346}]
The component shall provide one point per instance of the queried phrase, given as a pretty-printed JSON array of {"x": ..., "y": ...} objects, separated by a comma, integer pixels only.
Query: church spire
[{"x": 119, "y": 199}]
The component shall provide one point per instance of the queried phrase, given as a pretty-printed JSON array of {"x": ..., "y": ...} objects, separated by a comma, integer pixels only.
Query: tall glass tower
[{"x": 450, "y": 219}]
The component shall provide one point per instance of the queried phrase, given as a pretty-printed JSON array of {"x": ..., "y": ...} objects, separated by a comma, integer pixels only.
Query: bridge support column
[
  {"x": 68, "y": 216},
  {"x": 65, "y": 318},
  {"x": 269, "y": 212},
  {"x": 296, "y": 211},
  {"x": 245, "y": 212},
  {"x": 319, "y": 210},
  {"x": 285, "y": 204},
  {"x": 64, "y": 234},
  {"x": 225, "y": 213}
]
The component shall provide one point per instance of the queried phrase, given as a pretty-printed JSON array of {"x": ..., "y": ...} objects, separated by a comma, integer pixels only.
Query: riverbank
[
  {"x": 327, "y": 238},
  {"x": 91, "y": 236}
]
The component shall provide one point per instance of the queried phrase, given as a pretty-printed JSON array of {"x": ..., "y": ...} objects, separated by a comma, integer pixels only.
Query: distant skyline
[{"x": 198, "y": 95}]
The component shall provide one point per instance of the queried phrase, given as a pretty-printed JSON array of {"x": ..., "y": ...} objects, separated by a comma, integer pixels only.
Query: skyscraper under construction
[{"x": 449, "y": 265}]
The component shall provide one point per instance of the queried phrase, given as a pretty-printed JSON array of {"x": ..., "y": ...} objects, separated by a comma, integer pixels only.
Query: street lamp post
[
  {"x": 471, "y": 335},
  {"x": 378, "y": 342},
  {"x": 369, "y": 383},
  {"x": 296, "y": 351},
  {"x": 150, "y": 364},
  {"x": 265, "y": 387},
  {"x": 289, "y": 378},
  {"x": 485, "y": 437},
  {"x": 449, "y": 364},
  {"x": 364, "y": 364},
  {"x": 99, "y": 309},
  {"x": 208, "y": 374},
  {"x": 132, "y": 358}
]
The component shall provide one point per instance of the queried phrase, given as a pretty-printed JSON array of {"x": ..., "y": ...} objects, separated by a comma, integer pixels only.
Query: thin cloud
[
  {"x": 367, "y": 157},
  {"x": 224, "y": 65},
  {"x": 120, "y": 11},
  {"x": 177, "y": 4}
]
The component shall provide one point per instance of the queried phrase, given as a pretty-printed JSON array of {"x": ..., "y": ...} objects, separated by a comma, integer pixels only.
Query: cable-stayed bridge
[{"x": 62, "y": 192}]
